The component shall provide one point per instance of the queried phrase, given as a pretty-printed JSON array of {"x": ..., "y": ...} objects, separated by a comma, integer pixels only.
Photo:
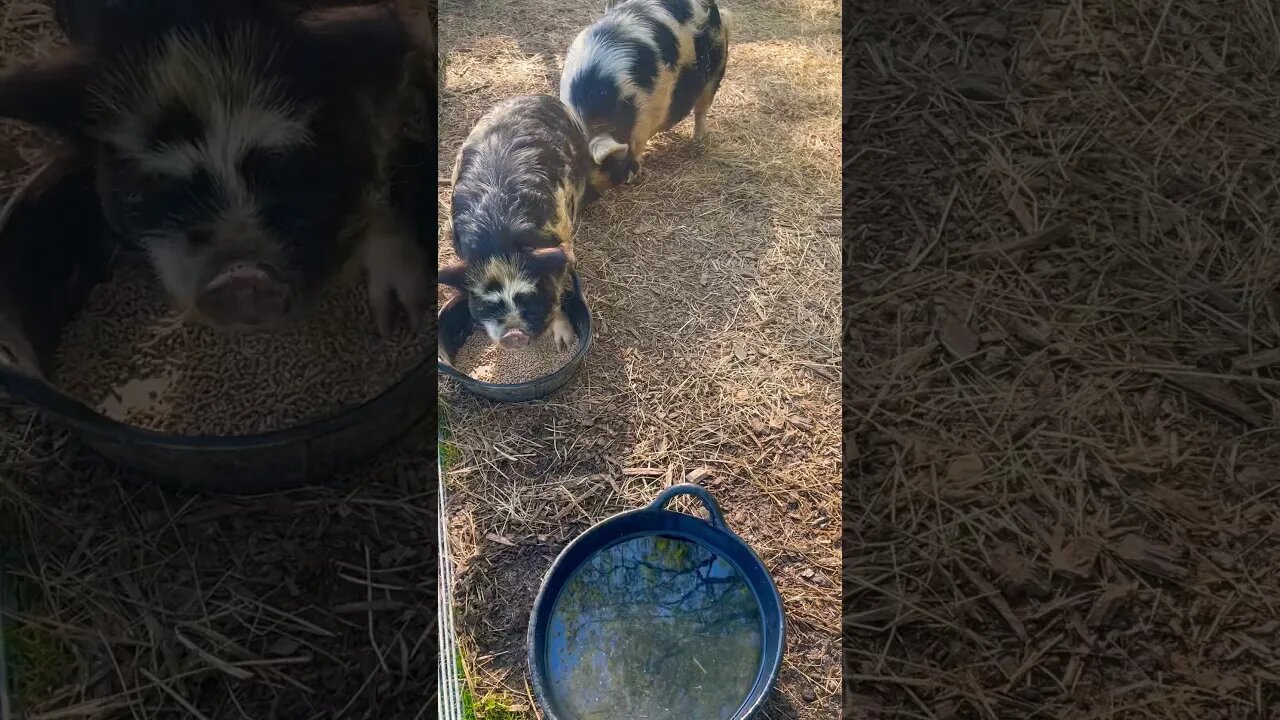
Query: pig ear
[
  {"x": 535, "y": 239},
  {"x": 453, "y": 275},
  {"x": 549, "y": 261},
  {"x": 603, "y": 147},
  {"x": 50, "y": 93},
  {"x": 356, "y": 45}
]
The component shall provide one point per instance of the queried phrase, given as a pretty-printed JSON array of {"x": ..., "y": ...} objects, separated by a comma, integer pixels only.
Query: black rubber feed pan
[
  {"x": 656, "y": 614},
  {"x": 55, "y": 249},
  {"x": 456, "y": 325}
]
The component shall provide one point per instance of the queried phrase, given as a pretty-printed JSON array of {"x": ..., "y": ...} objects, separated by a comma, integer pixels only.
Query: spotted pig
[
  {"x": 518, "y": 184},
  {"x": 638, "y": 71}
]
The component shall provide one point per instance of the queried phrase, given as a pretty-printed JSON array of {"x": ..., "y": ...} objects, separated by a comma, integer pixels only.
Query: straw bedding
[{"x": 1060, "y": 367}]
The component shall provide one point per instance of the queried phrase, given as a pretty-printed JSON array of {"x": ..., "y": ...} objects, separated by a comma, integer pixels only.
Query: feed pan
[
  {"x": 56, "y": 248},
  {"x": 456, "y": 325},
  {"x": 656, "y": 614}
]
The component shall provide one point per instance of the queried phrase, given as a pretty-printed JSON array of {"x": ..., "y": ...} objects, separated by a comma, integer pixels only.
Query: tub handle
[{"x": 671, "y": 493}]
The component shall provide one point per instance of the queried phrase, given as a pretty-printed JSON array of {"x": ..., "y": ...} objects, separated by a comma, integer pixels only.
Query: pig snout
[
  {"x": 514, "y": 340},
  {"x": 245, "y": 295}
]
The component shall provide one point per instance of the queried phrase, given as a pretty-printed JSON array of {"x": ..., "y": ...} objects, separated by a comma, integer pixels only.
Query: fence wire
[{"x": 449, "y": 704}]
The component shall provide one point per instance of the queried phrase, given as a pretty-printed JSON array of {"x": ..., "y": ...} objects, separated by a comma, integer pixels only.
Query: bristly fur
[
  {"x": 640, "y": 70},
  {"x": 520, "y": 180},
  {"x": 217, "y": 110}
]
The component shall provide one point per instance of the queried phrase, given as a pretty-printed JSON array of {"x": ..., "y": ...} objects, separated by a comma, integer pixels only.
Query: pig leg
[
  {"x": 633, "y": 169},
  {"x": 703, "y": 104},
  {"x": 632, "y": 160},
  {"x": 700, "y": 109},
  {"x": 562, "y": 331},
  {"x": 397, "y": 276}
]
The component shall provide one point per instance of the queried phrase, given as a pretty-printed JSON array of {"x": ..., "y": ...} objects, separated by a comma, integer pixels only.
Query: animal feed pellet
[
  {"x": 129, "y": 355},
  {"x": 486, "y": 361}
]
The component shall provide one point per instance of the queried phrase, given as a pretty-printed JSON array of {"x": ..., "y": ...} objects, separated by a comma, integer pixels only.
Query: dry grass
[
  {"x": 124, "y": 601},
  {"x": 1062, "y": 389},
  {"x": 714, "y": 286},
  {"x": 26, "y": 33}
]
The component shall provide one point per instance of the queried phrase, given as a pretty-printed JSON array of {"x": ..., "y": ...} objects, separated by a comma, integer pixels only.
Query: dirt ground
[
  {"x": 1062, "y": 379},
  {"x": 715, "y": 288},
  {"x": 121, "y": 600}
]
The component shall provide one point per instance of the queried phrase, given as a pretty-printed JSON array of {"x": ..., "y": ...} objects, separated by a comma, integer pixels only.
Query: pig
[
  {"x": 638, "y": 71},
  {"x": 243, "y": 145},
  {"x": 519, "y": 181}
]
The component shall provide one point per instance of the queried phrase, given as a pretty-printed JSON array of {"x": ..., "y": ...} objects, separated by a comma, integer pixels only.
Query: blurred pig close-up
[
  {"x": 245, "y": 146},
  {"x": 231, "y": 239},
  {"x": 214, "y": 314}
]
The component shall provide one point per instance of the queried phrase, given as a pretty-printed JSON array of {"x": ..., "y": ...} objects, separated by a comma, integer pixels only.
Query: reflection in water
[{"x": 653, "y": 628}]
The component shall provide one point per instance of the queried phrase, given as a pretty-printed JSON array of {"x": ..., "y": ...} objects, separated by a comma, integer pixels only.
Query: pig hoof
[
  {"x": 562, "y": 331},
  {"x": 396, "y": 280}
]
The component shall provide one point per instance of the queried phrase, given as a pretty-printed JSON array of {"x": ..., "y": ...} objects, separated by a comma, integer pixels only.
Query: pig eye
[
  {"x": 176, "y": 125},
  {"x": 262, "y": 167},
  {"x": 483, "y": 305},
  {"x": 156, "y": 202}
]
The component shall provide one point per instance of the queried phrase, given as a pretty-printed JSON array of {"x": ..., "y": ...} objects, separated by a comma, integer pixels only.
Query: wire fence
[
  {"x": 449, "y": 705},
  {"x": 6, "y": 710}
]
